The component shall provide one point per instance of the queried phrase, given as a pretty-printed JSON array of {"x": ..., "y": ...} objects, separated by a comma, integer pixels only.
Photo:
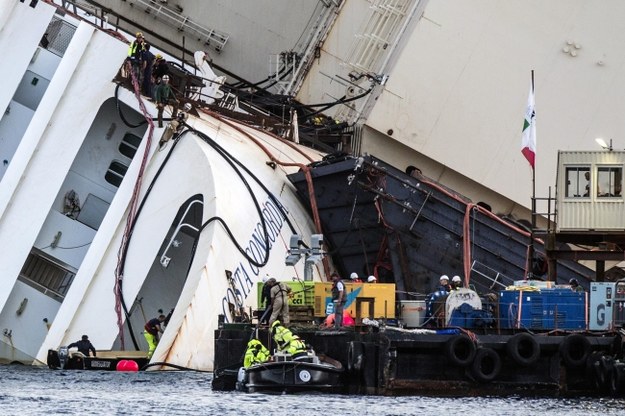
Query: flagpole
[
  {"x": 533, "y": 205},
  {"x": 528, "y": 148}
]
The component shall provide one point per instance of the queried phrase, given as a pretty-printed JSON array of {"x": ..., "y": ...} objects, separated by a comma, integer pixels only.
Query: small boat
[
  {"x": 285, "y": 374},
  {"x": 63, "y": 359}
]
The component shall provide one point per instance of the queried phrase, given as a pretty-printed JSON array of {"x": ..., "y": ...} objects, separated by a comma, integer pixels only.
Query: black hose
[
  {"x": 177, "y": 367},
  {"x": 258, "y": 181},
  {"x": 230, "y": 160}
]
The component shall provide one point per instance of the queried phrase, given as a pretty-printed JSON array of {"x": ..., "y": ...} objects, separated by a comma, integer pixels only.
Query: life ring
[
  {"x": 575, "y": 350},
  {"x": 460, "y": 350},
  {"x": 486, "y": 365},
  {"x": 355, "y": 357},
  {"x": 617, "y": 380},
  {"x": 523, "y": 349}
]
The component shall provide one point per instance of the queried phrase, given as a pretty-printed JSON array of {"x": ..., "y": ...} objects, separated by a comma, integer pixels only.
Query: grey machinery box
[{"x": 602, "y": 298}]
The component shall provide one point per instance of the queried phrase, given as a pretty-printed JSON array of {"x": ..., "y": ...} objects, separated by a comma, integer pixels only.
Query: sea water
[{"x": 40, "y": 391}]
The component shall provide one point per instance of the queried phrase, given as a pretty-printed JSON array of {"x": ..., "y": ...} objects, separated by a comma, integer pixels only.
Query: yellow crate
[{"x": 362, "y": 298}]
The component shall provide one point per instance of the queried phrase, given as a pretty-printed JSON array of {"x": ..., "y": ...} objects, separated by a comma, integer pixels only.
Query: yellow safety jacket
[
  {"x": 287, "y": 342},
  {"x": 132, "y": 50},
  {"x": 256, "y": 353}
]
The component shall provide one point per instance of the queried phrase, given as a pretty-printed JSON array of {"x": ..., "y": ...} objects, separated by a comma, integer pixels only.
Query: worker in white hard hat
[
  {"x": 432, "y": 313},
  {"x": 444, "y": 283},
  {"x": 165, "y": 96},
  {"x": 354, "y": 278},
  {"x": 456, "y": 282}
]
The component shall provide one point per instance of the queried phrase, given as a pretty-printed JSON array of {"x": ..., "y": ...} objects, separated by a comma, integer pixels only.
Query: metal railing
[
  {"x": 216, "y": 39},
  {"x": 379, "y": 32}
]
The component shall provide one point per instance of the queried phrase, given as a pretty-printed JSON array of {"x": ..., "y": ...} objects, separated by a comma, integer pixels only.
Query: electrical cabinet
[{"x": 602, "y": 297}]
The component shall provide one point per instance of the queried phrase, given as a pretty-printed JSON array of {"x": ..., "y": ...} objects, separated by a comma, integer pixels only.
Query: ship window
[
  {"x": 46, "y": 276},
  {"x": 115, "y": 173},
  {"x": 577, "y": 182},
  {"x": 128, "y": 146},
  {"x": 609, "y": 181}
]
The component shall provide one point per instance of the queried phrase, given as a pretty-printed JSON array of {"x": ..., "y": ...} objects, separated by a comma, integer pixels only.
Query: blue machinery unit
[{"x": 546, "y": 309}]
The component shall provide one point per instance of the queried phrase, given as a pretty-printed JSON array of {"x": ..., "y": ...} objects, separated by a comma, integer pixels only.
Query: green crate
[{"x": 303, "y": 293}]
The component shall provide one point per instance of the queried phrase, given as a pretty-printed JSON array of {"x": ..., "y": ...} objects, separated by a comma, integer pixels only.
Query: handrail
[{"x": 184, "y": 24}]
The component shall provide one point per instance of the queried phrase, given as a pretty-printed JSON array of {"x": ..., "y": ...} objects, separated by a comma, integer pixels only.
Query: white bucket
[{"x": 412, "y": 312}]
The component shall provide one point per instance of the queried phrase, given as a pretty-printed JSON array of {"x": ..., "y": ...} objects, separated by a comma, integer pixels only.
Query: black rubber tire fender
[
  {"x": 355, "y": 357},
  {"x": 575, "y": 350},
  {"x": 523, "y": 349},
  {"x": 460, "y": 350},
  {"x": 604, "y": 373},
  {"x": 593, "y": 358},
  {"x": 617, "y": 380},
  {"x": 592, "y": 364},
  {"x": 486, "y": 365}
]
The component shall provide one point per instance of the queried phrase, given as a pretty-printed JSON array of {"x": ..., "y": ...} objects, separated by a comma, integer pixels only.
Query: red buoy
[
  {"x": 131, "y": 365},
  {"x": 127, "y": 365},
  {"x": 121, "y": 365}
]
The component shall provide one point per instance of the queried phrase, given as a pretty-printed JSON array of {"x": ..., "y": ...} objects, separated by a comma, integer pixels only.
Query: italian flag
[{"x": 529, "y": 130}]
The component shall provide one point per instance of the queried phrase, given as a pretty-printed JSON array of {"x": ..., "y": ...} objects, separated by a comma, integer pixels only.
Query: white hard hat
[
  {"x": 265, "y": 278},
  {"x": 456, "y": 279},
  {"x": 353, "y": 276},
  {"x": 371, "y": 279},
  {"x": 444, "y": 277},
  {"x": 165, "y": 77}
]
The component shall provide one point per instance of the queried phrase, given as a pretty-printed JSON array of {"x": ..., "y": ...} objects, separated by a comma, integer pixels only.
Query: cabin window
[
  {"x": 115, "y": 173},
  {"x": 609, "y": 181},
  {"x": 128, "y": 146},
  {"x": 578, "y": 182},
  {"x": 46, "y": 276}
]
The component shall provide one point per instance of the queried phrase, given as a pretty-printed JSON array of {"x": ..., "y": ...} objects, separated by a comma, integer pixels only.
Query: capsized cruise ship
[
  {"x": 105, "y": 224},
  {"x": 441, "y": 85}
]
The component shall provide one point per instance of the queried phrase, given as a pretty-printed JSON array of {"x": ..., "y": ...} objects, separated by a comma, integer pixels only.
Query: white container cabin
[{"x": 588, "y": 196}]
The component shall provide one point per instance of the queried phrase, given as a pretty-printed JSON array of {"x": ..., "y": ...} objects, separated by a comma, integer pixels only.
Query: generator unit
[{"x": 545, "y": 309}]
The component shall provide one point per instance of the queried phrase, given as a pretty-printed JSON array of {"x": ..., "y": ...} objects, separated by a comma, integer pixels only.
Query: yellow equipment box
[{"x": 364, "y": 300}]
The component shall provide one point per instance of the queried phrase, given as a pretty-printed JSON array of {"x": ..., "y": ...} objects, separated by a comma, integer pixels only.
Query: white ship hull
[{"x": 74, "y": 139}]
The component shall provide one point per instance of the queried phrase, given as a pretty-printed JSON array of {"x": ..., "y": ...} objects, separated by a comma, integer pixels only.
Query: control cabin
[{"x": 589, "y": 210}]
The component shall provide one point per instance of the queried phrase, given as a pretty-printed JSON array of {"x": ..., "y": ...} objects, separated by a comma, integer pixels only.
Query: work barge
[
  {"x": 387, "y": 360},
  {"x": 515, "y": 326}
]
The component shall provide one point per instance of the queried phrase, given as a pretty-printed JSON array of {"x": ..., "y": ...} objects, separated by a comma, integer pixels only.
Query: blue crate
[{"x": 548, "y": 309}]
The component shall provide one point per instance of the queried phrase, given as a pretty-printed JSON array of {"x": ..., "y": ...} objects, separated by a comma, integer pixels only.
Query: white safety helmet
[
  {"x": 456, "y": 279},
  {"x": 371, "y": 279},
  {"x": 265, "y": 278},
  {"x": 187, "y": 107},
  {"x": 165, "y": 77},
  {"x": 443, "y": 278},
  {"x": 353, "y": 276}
]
